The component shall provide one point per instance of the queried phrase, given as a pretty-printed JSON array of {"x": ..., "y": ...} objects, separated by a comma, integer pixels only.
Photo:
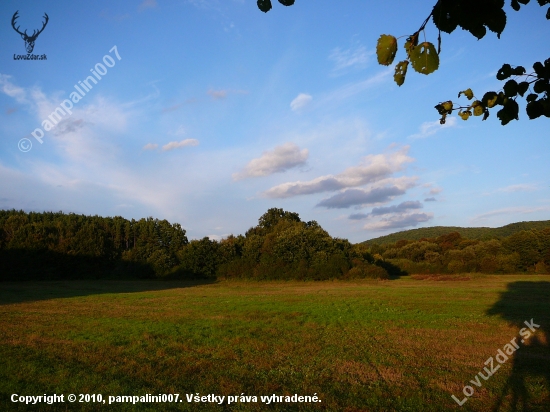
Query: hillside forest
[{"x": 281, "y": 246}]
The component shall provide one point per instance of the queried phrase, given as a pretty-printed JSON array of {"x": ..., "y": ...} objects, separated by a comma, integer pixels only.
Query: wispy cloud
[
  {"x": 10, "y": 89},
  {"x": 150, "y": 146},
  {"x": 278, "y": 160},
  {"x": 301, "y": 101},
  {"x": 521, "y": 210},
  {"x": 180, "y": 131},
  {"x": 177, "y": 145},
  {"x": 527, "y": 187},
  {"x": 147, "y": 4},
  {"x": 222, "y": 94},
  {"x": 351, "y": 89},
  {"x": 354, "y": 58},
  {"x": 431, "y": 128}
]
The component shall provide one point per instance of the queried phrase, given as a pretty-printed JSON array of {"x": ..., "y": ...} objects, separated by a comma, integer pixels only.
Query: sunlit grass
[{"x": 405, "y": 344}]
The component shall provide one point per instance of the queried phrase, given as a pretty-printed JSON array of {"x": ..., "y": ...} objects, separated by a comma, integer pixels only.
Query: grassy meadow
[{"x": 406, "y": 344}]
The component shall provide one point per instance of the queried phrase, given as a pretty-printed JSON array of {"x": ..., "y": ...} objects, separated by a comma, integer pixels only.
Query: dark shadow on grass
[
  {"x": 524, "y": 304},
  {"x": 30, "y": 275}
]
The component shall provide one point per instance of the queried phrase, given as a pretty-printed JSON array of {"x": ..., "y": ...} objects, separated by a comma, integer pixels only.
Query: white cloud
[
  {"x": 399, "y": 221},
  {"x": 150, "y": 146},
  {"x": 352, "y": 58},
  {"x": 374, "y": 168},
  {"x": 176, "y": 145},
  {"x": 300, "y": 101},
  {"x": 278, "y": 160},
  {"x": 7, "y": 87},
  {"x": 431, "y": 128}
]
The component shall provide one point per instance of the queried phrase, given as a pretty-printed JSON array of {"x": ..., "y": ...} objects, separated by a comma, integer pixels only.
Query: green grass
[{"x": 399, "y": 345}]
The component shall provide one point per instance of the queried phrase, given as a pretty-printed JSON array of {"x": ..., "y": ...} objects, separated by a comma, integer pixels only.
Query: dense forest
[
  {"x": 64, "y": 246},
  {"x": 69, "y": 246},
  {"x": 481, "y": 233}
]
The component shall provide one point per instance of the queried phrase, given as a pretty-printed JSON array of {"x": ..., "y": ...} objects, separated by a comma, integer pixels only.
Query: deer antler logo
[{"x": 29, "y": 40}]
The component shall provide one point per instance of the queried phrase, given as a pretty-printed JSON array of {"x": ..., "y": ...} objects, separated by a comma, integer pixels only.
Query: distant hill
[{"x": 466, "y": 232}]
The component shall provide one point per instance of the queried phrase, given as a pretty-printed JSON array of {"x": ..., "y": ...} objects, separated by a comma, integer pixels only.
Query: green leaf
[
  {"x": 539, "y": 69},
  {"x": 531, "y": 97},
  {"x": 522, "y": 88},
  {"x": 518, "y": 71},
  {"x": 489, "y": 99},
  {"x": 445, "y": 108},
  {"x": 424, "y": 58},
  {"x": 511, "y": 88},
  {"x": 386, "y": 49},
  {"x": 515, "y": 5},
  {"x": 400, "y": 72},
  {"x": 540, "y": 86},
  {"x": 548, "y": 14},
  {"x": 264, "y": 5},
  {"x": 496, "y": 22},
  {"x": 478, "y": 108},
  {"x": 504, "y": 72},
  {"x": 286, "y": 2},
  {"x": 485, "y": 114},
  {"x": 468, "y": 93},
  {"x": 445, "y": 15},
  {"x": 464, "y": 115},
  {"x": 478, "y": 31},
  {"x": 509, "y": 112},
  {"x": 534, "y": 109}
]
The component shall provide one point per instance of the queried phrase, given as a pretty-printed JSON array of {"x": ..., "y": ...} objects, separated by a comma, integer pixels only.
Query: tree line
[
  {"x": 57, "y": 245},
  {"x": 524, "y": 251},
  {"x": 281, "y": 246}
]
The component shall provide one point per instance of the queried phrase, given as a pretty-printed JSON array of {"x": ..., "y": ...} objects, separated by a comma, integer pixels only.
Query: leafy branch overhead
[{"x": 476, "y": 17}]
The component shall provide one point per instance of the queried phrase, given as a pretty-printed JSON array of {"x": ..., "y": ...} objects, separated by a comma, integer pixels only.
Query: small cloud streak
[
  {"x": 301, "y": 101},
  {"x": 278, "y": 160},
  {"x": 399, "y": 221},
  {"x": 150, "y": 146},
  {"x": 431, "y": 128},
  {"x": 147, "y": 4},
  {"x": 353, "y": 58},
  {"x": 521, "y": 210},
  {"x": 222, "y": 94},
  {"x": 519, "y": 188},
  {"x": 430, "y": 199},
  {"x": 178, "y": 145}
]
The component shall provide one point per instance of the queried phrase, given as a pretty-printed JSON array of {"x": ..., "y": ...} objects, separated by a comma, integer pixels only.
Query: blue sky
[{"x": 216, "y": 112}]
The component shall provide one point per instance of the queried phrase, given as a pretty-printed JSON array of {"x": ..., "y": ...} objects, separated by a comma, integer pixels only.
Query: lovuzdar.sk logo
[{"x": 29, "y": 40}]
